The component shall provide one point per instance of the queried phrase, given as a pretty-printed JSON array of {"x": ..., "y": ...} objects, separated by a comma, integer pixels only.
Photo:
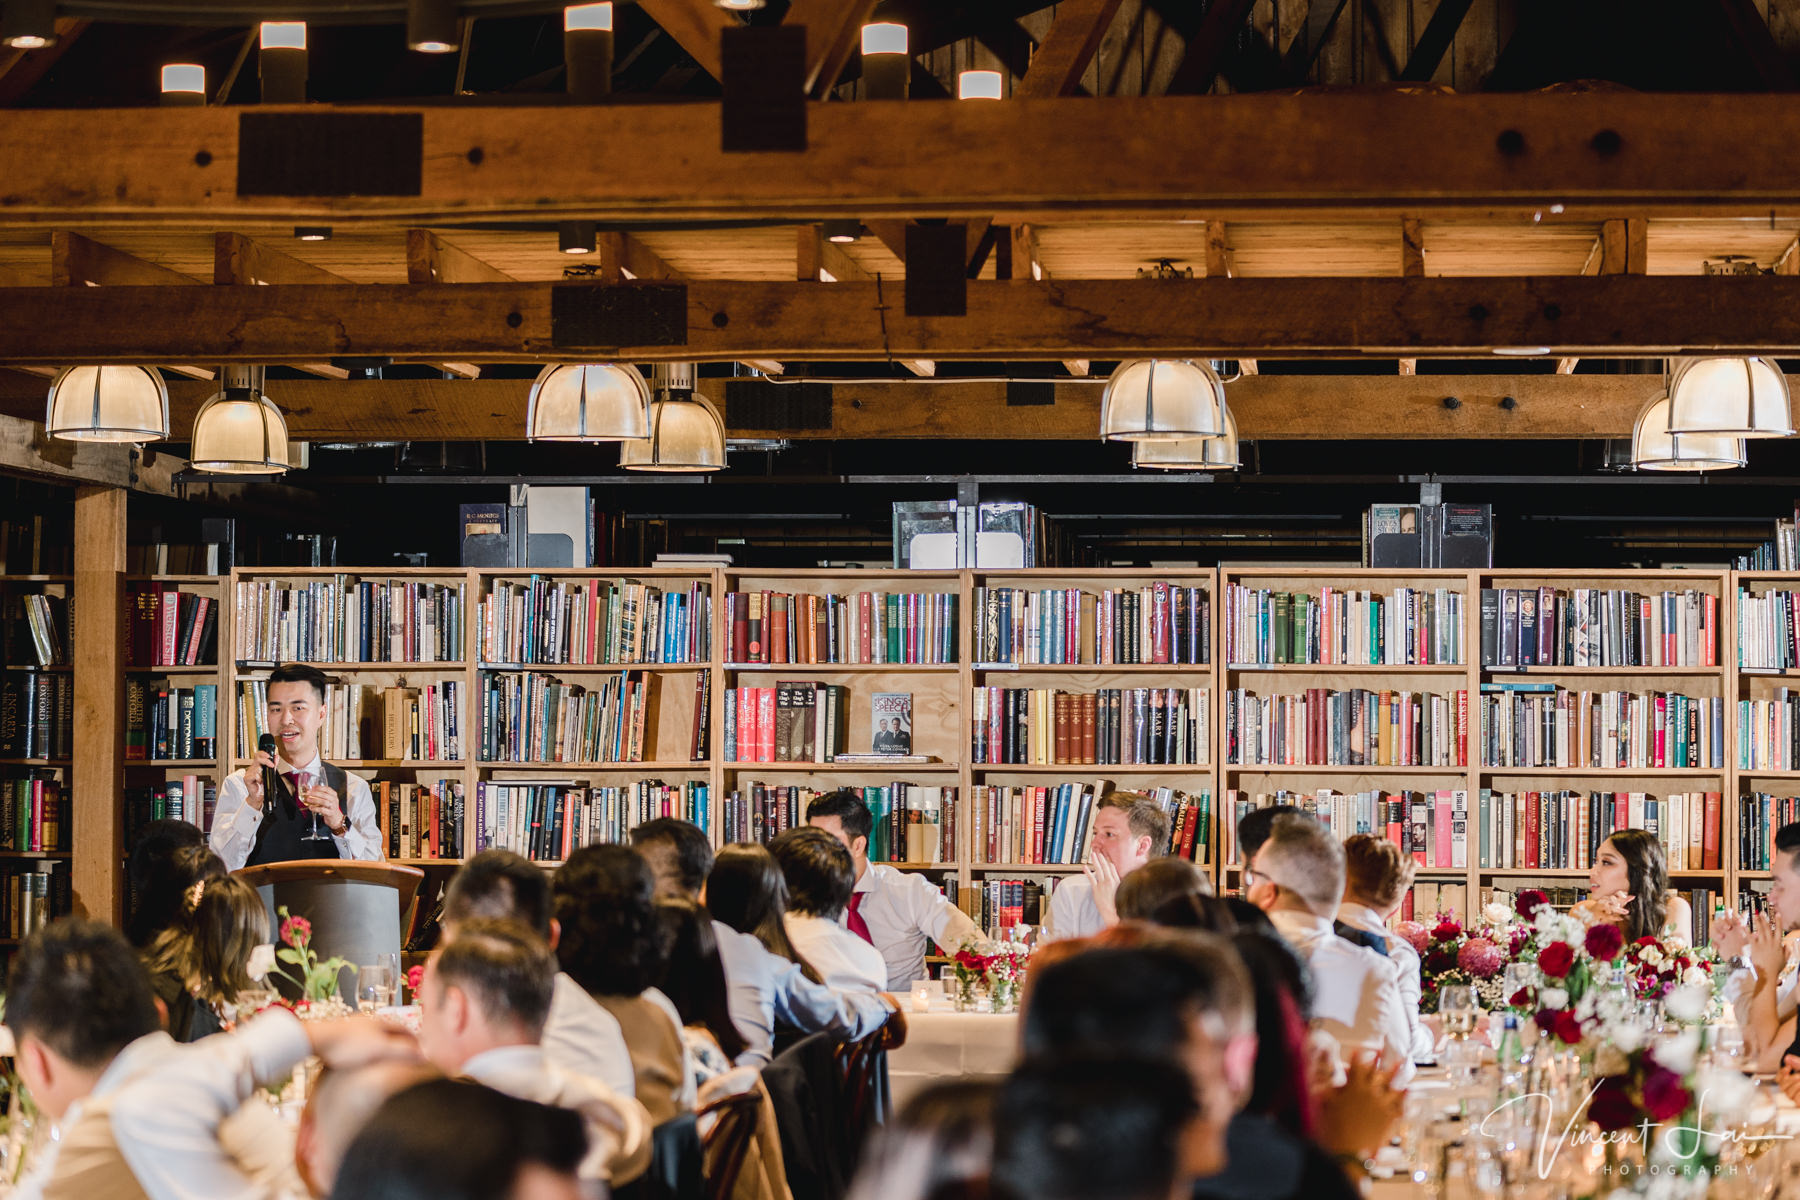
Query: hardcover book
[{"x": 890, "y": 723}]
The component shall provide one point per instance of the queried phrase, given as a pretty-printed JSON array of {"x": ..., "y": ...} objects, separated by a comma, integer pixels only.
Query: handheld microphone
[{"x": 271, "y": 779}]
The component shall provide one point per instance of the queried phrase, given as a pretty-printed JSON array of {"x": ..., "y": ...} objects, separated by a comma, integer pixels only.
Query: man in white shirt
[
  {"x": 321, "y": 810},
  {"x": 894, "y": 911},
  {"x": 482, "y": 1008},
  {"x": 819, "y": 877},
  {"x": 1297, "y": 877},
  {"x": 1376, "y": 876},
  {"x": 1761, "y": 988},
  {"x": 579, "y": 1035},
  {"x": 1129, "y": 830}
]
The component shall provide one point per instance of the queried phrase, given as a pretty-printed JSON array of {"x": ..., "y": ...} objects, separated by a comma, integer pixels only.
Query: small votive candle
[{"x": 921, "y": 994}]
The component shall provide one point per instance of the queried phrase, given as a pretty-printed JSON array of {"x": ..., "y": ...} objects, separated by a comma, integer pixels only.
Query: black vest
[{"x": 279, "y": 837}]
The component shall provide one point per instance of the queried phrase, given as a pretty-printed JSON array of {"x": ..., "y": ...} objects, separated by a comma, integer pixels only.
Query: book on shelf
[
  {"x": 34, "y": 812},
  {"x": 1768, "y": 629},
  {"x": 364, "y": 721},
  {"x": 43, "y": 632},
  {"x": 534, "y": 717},
  {"x": 1429, "y": 898},
  {"x": 37, "y": 714},
  {"x": 30, "y": 900},
  {"x": 1338, "y": 627},
  {"x": 883, "y": 760},
  {"x": 1562, "y": 830},
  {"x": 1113, "y": 726},
  {"x": 190, "y": 798},
  {"x": 890, "y": 723},
  {"x": 803, "y": 721},
  {"x": 489, "y": 536},
  {"x": 595, "y": 622},
  {"x": 1156, "y": 623},
  {"x": 1433, "y": 536},
  {"x": 164, "y": 722},
  {"x": 344, "y": 619},
  {"x": 1353, "y": 727},
  {"x": 913, "y": 628},
  {"x": 1431, "y": 827},
  {"x": 999, "y": 906},
  {"x": 1052, "y": 824},
  {"x": 548, "y": 820},
  {"x": 34, "y": 543},
  {"x": 419, "y": 820},
  {"x": 1598, "y": 627},
  {"x": 714, "y": 558},
  {"x": 909, "y": 822},
  {"x": 1760, "y": 814},
  {"x": 1780, "y": 554},
  {"x": 1540, "y": 725},
  {"x": 170, "y": 627}
]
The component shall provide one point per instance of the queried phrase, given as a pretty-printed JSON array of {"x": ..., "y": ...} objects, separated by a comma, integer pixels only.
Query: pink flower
[
  {"x": 1556, "y": 959},
  {"x": 415, "y": 979},
  {"x": 1529, "y": 901},
  {"x": 1520, "y": 936},
  {"x": 1604, "y": 942},
  {"x": 1480, "y": 958},
  {"x": 296, "y": 930},
  {"x": 1414, "y": 933}
]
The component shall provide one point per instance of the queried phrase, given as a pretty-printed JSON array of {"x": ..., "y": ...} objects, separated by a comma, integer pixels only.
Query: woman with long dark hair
[
  {"x": 1628, "y": 886},
  {"x": 694, "y": 982},
  {"x": 747, "y": 891}
]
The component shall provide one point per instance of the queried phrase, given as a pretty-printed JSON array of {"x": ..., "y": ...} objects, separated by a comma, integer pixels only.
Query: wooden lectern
[{"x": 355, "y": 907}]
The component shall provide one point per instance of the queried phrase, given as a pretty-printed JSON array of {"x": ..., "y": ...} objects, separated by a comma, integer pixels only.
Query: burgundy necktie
[{"x": 853, "y": 919}]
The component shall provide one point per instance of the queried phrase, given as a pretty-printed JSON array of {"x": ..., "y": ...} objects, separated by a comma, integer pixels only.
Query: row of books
[
  {"x": 863, "y": 627},
  {"x": 1431, "y": 827},
  {"x": 1760, "y": 814},
  {"x": 1562, "y": 830},
  {"x": 170, "y": 627},
  {"x": 1598, "y": 627},
  {"x": 367, "y": 721},
  {"x": 42, "y": 631},
  {"x": 1768, "y": 629},
  {"x": 1427, "y": 898},
  {"x": 595, "y": 622},
  {"x": 32, "y": 543},
  {"x": 757, "y": 812},
  {"x": 343, "y": 619},
  {"x": 1780, "y": 554},
  {"x": 1158, "y": 623},
  {"x": 30, "y": 900},
  {"x": 1410, "y": 626},
  {"x": 1053, "y": 823},
  {"x": 34, "y": 812},
  {"x": 801, "y": 721},
  {"x": 163, "y": 722},
  {"x": 420, "y": 820},
  {"x": 909, "y": 822},
  {"x": 1541, "y": 725},
  {"x": 1768, "y": 732},
  {"x": 1357, "y": 727},
  {"x": 37, "y": 714},
  {"x": 530, "y": 717},
  {"x": 547, "y": 821},
  {"x": 190, "y": 798},
  {"x": 1135, "y": 726},
  {"x": 999, "y": 906}
]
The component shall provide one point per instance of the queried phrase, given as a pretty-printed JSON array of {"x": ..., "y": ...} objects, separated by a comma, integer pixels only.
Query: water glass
[
  {"x": 374, "y": 987},
  {"x": 1460, "y": 1010},
  {"x": 1517, "y": 976}
]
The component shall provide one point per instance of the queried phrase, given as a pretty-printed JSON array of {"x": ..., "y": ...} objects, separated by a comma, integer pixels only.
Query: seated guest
[
  {"x": 614, "y": 945},
  {"x": 482, "y": 1008},
  {"x": 1253, "y": 830},
  {"x": 771, "y": 986},
  {"x": 338, "y": 1106},
  {"x": 819, "y": 877},
  {"x": 449, "y": 1139},
  {"x": 1076, "y": 1128},
  {"x": 1376, "y": 876},
  {"x": 1297, "y": 877},
  {"x": 679, "y": 853},
  {"x": 159, "y": 877},
  {"x": 895, "y": 911},
  {"x": 943, "y": 1137},
  {"x": 1156, "y": 883},
  {"x": 1628, "y": 886},
  {"x": 1762, "y": 994},
  {"x": 198, "y": 969},
  {"x": 579, "y": 1036},
  {"x": 694, "y": 982},
  {"x": 1129, "y": 830}
]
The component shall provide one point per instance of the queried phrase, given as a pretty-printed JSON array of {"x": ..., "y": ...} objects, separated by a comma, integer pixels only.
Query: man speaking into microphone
[{"x": 318, "y": 810}]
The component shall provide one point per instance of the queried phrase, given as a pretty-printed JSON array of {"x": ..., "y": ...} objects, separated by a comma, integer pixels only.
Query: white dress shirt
[
  {"x": 618, "y": 1127},
  {"x": 1356, "y": 992},
  {"x": 582, "y": 1037},
  {"x": 1073, "y": 913},
  {"x": 765, "y": 990},
  {"x": 902, "y": 909},
  {"x": 845, "y": 961},
  {"x": 1400, "y": 952},
  {"x": 235, "y": 822}
]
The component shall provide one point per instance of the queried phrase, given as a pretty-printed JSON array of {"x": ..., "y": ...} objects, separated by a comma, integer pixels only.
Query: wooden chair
[
  {"x": 726, "y": 1145},
  {"x": 861, "y": 1069}
]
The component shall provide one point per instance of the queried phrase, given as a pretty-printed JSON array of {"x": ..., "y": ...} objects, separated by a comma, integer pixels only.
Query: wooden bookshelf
[{"x": 13, "y": 590}]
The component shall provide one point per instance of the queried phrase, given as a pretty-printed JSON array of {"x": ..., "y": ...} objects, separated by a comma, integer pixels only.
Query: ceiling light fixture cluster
[
  {"x": 664, "y": 425},
  {"x": 238, "y": 431},
  {"x": 1173, "y": 412},
  {"x": 1713, "y": 405}
]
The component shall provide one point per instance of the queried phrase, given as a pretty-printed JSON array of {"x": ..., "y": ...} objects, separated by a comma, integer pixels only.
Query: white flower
[
  {"x": 1626, "y": 1036},
  {"x": 1687, "y": 1003},
  {"x": 1554, "y": 997},
  {"x": 1677, "y": 1053},
  {"x": 1698, "y": 976},
  {"x": 1497, "y": 914},
  {"x": 1653, "y": 956},
  {"x": 262, "y": 961}
]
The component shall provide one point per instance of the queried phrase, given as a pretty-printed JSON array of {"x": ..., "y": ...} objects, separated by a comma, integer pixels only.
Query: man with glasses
[{"x": 1761, "y": 989}]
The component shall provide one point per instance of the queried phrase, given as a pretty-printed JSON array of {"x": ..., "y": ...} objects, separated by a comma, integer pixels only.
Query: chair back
[
  {"x": 862, "y": 1066},
  {"x": 675, "y": 1164},
  {"x": 726, "y": 1145}
]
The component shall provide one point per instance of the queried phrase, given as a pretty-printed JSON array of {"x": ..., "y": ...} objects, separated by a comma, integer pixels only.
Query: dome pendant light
[
  {"x": 108, "y": 404},
  {"x": 588, "y": 402},
  {"x": 686, "y": 432},
  {"x": 239, "y": 431},
  {"x": 1191, "y": 454},
  {"x": 1654, "y": 447},
  {"x": 1156, "y": 399},
  {"x": 1737, "y": 397}
]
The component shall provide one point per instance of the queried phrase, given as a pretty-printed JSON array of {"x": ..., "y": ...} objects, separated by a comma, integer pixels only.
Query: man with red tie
[
  {"x": 894, "y": 911},
  {"x": 321, "y": 811}
]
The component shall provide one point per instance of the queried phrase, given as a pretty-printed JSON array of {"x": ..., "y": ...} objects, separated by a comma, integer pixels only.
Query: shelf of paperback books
[{"x": 37, "y": 722}]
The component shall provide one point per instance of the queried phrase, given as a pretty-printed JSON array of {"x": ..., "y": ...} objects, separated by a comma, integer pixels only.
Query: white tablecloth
[{"x": 952, "y": 1045}]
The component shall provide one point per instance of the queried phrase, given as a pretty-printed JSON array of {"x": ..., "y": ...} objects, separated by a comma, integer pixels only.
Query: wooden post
[{"x": 98, "y": 771}]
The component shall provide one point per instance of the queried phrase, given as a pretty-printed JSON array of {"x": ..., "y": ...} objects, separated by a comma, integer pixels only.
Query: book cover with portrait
[{"x": 890, "y": 723}]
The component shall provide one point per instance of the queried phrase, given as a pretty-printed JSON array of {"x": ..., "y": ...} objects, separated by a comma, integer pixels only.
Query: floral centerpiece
[
  {"x": 1449, "y": 953},
  {"x": 983, "y": 964},
  {"x": 318, "y": 981}
]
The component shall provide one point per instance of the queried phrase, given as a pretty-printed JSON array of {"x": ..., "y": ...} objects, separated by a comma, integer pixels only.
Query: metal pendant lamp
[
  {"x": 239, "y": 431},
  {"x": 1162, "y": 399},
  {"x": 1191, "y": 454},
  {"x": 1654, "y": 447},
  {"x": 686, "y": 432},
  {"x": 588, "y": 402},
  {"x": 108, "y": 404},
  {"x": 1737, "y": 397}
]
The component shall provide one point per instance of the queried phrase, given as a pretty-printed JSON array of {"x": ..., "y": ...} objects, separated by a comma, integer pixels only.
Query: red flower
[
  {"x": 1528, "y": 902},
  {"x": 1646, "y": 940},
  {"x": 1611, "y": 1108},
  {"x": 1520, "y": 936},
  {"x": 1556, "y": 959},
  {"x": 1520, "y": 998},
  {"x": 1568, "y": 1028},
  {"x": 1447, "y": 929},
  {"x": 1545, "y": 1018},
  {"x": 1665, "y": 1097},
  {"x": 1604, "y": 942},
  {"x": 296, "y": 930},
  {"x": 415, "y": 979},
  {"x": 1440, "y": 960}
]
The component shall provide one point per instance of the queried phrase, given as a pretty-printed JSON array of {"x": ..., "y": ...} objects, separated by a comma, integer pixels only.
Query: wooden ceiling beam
[
  {"x": 21, "y": 69},
  {"x": 893, "y": 236},
  {"x": 1621, "y": 249},
  {"x": 430, "y": 259},
  {"x": 833, "y": 30},
  {"x": 1641, "y": 154},
  {"x": 1267, "y": 407},
  {"x": 1063, "y": 56},
  {"x": 624, "y": 258},
  {"x": 1566, "y": 366},
  {"x": 78, "y": 261},
  {"x": 696, "y": 26},
  {"x": 1412, "y": 266}
]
